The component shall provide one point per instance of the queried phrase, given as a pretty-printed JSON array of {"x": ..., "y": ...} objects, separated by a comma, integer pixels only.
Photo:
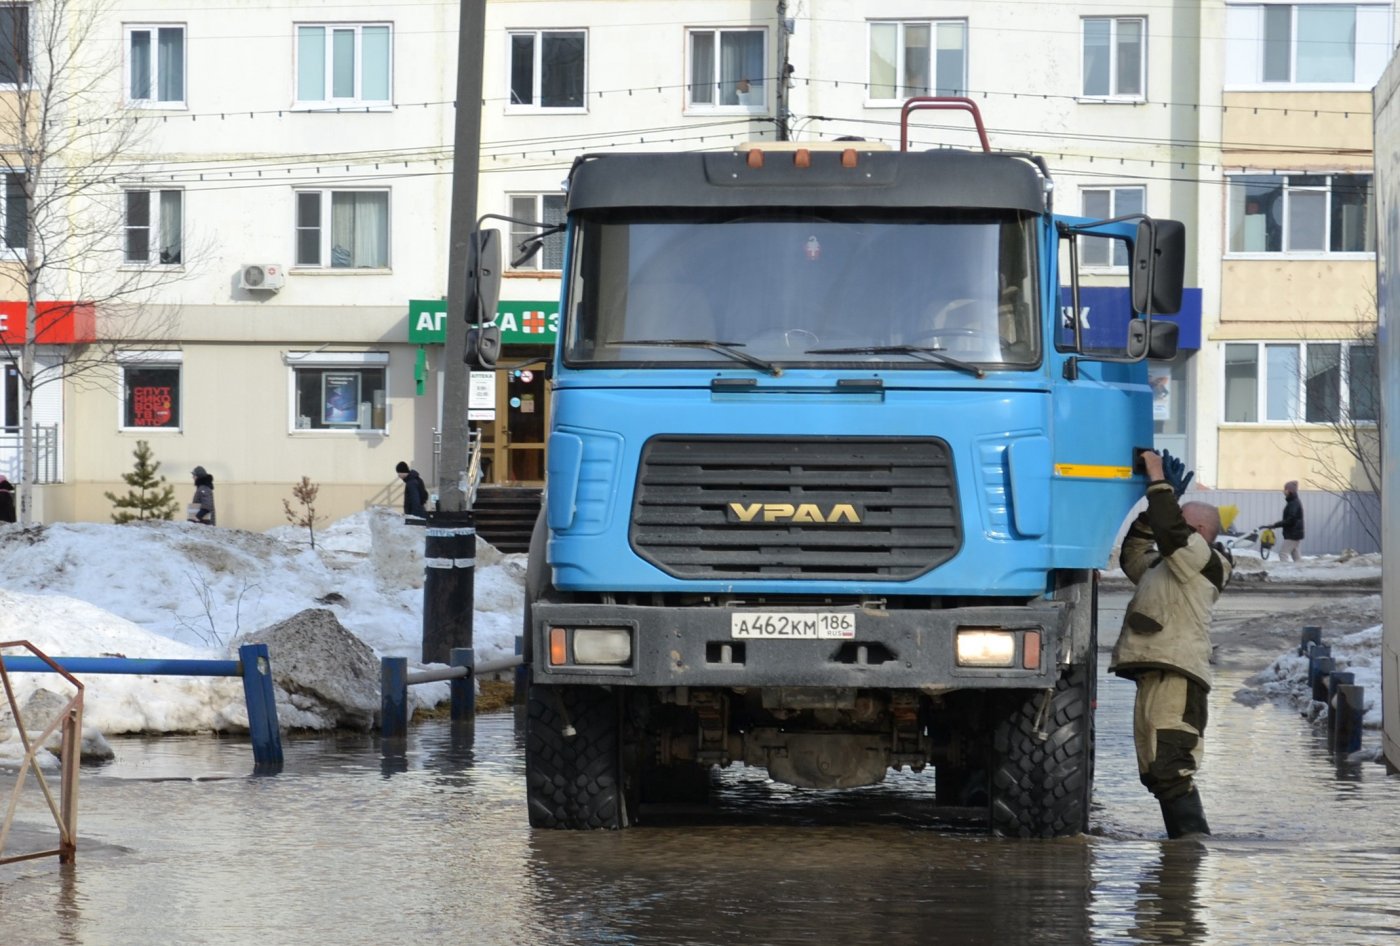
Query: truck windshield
[{"x": 823, "y": 289}]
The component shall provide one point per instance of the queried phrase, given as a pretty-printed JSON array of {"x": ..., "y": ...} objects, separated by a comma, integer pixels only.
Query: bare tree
[
  {"x": 1343, "y": 446},
  {"x": 69, "y": 154}
]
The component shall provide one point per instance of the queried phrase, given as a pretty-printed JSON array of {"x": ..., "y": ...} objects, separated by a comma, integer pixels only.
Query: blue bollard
[
  {"x": 393, "y": 698},
  {"x": 262, "y": 706},
  {"x": 464, "y": 688},
  {"x": 1318, "y": 672},
  {"x": 520, "y": 672},
  {"x": 1317, "y": 651}
]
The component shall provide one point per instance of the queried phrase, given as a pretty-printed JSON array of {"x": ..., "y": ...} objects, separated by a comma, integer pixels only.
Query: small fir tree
[
  {"x": 305, "y": 495},
  {"x": 150, "y": 496}
]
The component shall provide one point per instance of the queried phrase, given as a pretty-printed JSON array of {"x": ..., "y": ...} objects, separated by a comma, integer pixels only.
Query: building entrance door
[{"x": 512, "y": 446}]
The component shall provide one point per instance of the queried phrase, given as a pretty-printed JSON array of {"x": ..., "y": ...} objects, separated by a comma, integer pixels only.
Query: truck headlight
[
  {"x": 602, "y": 645},
  {"x": 985, "y": 648}
]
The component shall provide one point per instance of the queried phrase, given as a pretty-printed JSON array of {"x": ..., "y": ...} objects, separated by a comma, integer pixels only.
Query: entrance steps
[{"x": 505, "y": 515}]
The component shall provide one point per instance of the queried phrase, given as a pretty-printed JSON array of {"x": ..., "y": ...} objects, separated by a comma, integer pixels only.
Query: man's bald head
[{"x": 1204, "y": 518}]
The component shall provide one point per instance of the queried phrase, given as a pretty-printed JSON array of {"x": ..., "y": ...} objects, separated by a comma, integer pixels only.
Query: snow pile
[
  {"x": 1286, "y": 679},
  {"x": 185, "y": 591}
]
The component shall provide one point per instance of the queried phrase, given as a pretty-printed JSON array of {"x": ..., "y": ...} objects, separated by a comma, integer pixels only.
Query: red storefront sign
[{"x": 59, "y": 323}]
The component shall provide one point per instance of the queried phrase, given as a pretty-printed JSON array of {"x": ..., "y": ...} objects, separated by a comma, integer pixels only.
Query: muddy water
[{"x": 179, "y": 844}]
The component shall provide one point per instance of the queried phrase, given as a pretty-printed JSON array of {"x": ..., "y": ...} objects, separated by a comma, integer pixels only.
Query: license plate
[{"x": 793, "y": 625}]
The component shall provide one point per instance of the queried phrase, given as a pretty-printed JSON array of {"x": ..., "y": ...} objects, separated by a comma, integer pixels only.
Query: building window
[
  {"x": 16, "y": 213},
  {"x": 11, "y": 399},
  {"x": 1115, "y": 58},
  {"x": 547, "y": 209},
  {"x": 343, "y": 229},
  {"x": 155, "y": 227},
  {"x": 727, "y": 69},
  {"x": 1268, "y": 45},
  {"x": 14, "y": 43},
  {"x": 1300, "y": 382},
  {"x": 155, "y": 66},
  {"x": 927, "y": 57},
  {"x": 151, "y": 393},
  {"x": 343, "y": 63},
  {"x": 1101, "y": 203},
  {"x": 547, "y": 68},
  {"x": 338, "y": 391},
  {"x": 1301, "y": 213}
]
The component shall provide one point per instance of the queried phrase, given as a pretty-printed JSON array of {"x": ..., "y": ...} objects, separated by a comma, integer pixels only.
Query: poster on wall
[
  {"x": 481, "y": 396},
  {"x": 340, "y": 399},
  {"x": 1159, "y": 377},
  {"x": 151, "y": 406}
]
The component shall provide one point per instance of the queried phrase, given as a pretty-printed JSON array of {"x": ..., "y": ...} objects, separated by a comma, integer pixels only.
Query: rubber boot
[{"x": 1184, "y": 816}]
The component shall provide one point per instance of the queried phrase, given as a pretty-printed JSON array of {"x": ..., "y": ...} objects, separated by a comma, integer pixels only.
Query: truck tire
[
  {"x": 573, "y": 766},
  {"x": 1042, "y": 778}
]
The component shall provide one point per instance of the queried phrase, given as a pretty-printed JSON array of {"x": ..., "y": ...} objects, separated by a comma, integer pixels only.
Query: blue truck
[{"x": 832, "y": 465}]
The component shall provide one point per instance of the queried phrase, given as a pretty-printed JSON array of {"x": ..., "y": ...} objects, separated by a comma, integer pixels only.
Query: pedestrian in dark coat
[
  {"x": 1292, "y": 523},
  {"x": 202, "y": 506},
  {"x": 1170, "y": 554},
  {"x": 7, "y": 500},
  {"x": 415, "y": 493}
]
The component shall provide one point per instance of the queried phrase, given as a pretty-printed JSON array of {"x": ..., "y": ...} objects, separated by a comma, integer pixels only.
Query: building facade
[{"x": 302, "y": 208}]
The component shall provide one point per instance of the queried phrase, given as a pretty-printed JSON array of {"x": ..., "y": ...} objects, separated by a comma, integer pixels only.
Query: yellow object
[
  {"x": 1227, "y": 516},
  {"x": 1090, "y": 471}
]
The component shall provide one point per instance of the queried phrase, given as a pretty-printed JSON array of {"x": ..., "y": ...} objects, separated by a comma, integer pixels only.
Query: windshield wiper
[
  {"x": 725, "y": 348},
  {"x": 935, "y": 355}
]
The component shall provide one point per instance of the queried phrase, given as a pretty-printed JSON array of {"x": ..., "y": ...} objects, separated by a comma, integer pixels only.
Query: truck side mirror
[
  {"x": 483, "y": 296},
  {"x": 1158, "y": 344},
  {"x": 1159, "y": 266}
]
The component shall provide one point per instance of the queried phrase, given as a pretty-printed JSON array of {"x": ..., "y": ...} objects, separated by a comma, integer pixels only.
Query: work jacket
[{"x": 1179, "y": 577}]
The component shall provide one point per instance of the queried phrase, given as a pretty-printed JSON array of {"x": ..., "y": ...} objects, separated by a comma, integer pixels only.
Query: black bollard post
[
  {"x": 1351, "y": 706},
  {"x": 1312, "y": 634},
  {"x": 1317, "y": 653},
  {"x": 1335, "y": 679},
  {"x": 1318, "y": 672},
  {"x": 448, "y": 584}
]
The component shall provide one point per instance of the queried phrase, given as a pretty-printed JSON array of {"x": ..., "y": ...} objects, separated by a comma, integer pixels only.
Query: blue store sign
[{"x": 1104, "y": 312}]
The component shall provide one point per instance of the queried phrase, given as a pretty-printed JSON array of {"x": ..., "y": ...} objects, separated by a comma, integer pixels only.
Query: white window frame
[
  {"x": 1299, "y": 407},
  {"x": 153, "y": 240},
  {"x": 901, "y": 93},
  {"x": 331, "y": 360},
  {"x": 1113, "y": 94},
  {"x": 357, "y": 99},
  {"x": 756, "y": 107},
  {"x": 537, "y": 65},
  {"x": 151, "y": 359},
  {"x": 1284, "y": 224},
  {"x": 28, "y": 63},
  {"x": 1244, "y": 46},
  {"x": 536, "y": 263},
  {"x": 327, "y": 198},
  {"x": 153, "y": 30},
  {"x": 1114, "y": 192}
]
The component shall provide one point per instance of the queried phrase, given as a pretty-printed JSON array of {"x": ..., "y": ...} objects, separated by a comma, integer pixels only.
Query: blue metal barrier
[
  {"x": 394, "y": 681},
  {"x": 252, "y": 665}
]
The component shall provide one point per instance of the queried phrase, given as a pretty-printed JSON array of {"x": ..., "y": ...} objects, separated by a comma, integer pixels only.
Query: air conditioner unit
[{"x": 262, "y": 277}]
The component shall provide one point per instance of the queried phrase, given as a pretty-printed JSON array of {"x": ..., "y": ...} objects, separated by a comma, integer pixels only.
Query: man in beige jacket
[{"x": 1170, "y": 553}]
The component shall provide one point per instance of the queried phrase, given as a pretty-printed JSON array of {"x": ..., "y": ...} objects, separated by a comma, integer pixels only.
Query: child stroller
[{"x": 1263, "y": 536}]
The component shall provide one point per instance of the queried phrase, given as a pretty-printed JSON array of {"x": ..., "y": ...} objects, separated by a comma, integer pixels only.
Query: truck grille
[{"x": 902, "y": 491}]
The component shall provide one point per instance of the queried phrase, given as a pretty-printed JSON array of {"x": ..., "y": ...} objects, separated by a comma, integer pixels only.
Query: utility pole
[
  {"x": 466, "y": 168},
  {"x": 450, "y": 546},
  {"x": 784, "y": 67}
]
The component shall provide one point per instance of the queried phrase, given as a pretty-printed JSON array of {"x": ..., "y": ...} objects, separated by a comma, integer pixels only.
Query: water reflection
[{"x": 429, "y": 845}]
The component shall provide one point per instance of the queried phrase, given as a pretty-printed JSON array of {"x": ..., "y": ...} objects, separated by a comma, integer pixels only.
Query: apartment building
[{"x": 294, "y": 181}]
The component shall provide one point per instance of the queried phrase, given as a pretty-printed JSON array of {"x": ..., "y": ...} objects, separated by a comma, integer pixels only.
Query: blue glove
[{"x": 1175, "y": 473}]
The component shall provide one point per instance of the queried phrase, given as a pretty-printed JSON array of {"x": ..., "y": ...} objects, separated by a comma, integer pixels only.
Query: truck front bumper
[{"x": 889, "y": 649}]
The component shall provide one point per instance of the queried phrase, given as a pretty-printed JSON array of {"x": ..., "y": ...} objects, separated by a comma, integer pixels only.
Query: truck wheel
[
  {"x": 572, "y": 761},
  {"x": 1044, "y": 757}
]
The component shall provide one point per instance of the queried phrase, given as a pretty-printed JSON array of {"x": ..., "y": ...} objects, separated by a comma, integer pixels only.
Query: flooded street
[{"x": 178, "y": 843}]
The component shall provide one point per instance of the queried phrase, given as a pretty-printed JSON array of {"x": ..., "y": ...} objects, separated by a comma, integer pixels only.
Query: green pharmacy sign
[{"x": 522, "y": 323}]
